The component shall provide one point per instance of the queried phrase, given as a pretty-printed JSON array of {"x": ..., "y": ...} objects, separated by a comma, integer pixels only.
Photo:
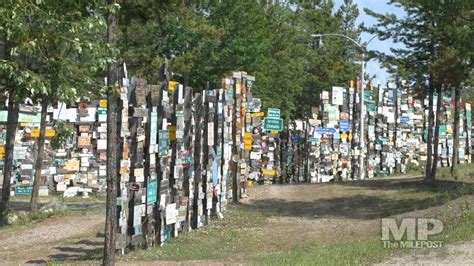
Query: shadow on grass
[
  {"x": 414, "y": 184},
  {"x": 413, "y": 194},
  {"x": 83, "y": 250}
]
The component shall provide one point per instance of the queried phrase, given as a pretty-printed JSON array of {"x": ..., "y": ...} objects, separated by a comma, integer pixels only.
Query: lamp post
[{"x": 362, "y": 113}]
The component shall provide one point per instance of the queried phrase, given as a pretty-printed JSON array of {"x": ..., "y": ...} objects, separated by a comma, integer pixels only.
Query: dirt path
[
  {"x": 455, "y": 254},
  {"x": 295, "y": 214},
  {"x": 59, "y": 238},
  {"x": 303, "y": 212}
]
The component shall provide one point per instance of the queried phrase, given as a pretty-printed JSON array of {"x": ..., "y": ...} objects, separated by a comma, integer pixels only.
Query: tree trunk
[
  {"x": 39, "y": 157},
  {"x": 112, "y": 145},
  {"x": 439, "y": 102},
  {"x": 12, "y": 123},
  {"x": 429, "y": 139},
  {"x": 457, "y": 107}
]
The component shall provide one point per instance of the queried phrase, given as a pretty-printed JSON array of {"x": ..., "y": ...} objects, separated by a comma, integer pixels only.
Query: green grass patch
[
  {"x": 366, "y": 251},
  {"x": 464, "y": 172},
  {"x": 230, "y": 237}
]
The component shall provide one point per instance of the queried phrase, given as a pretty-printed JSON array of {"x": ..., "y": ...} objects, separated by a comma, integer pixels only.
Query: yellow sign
[
  {"x": 103, "y": 103},
  {"x": 274, "y": 131},
  {"x": 257, "y": 114},
  {"x": 248, "y": 141},
  {"x": 49, "y": 132},
  {"x": 269, "y": 172},
  {"x": 344, "y": 135},
  {"x": 72, "y": 165},
  {"x": 172, "y": 85},
  {"x": 172, "y": 130}
]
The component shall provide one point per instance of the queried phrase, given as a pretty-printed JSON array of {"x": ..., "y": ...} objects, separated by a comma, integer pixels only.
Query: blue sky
[{"x": 379, "y": 6}]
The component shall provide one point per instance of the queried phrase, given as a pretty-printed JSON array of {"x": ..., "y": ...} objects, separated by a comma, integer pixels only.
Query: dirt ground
[
  {"x": 295, "y": 214},
  {"x": 58, "y": 238}
]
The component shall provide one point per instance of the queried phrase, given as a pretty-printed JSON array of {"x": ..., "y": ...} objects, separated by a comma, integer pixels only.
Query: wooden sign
[
  {"x": 84, "y": 128},
  {"x": 172, "y": 130},
  {"x": 83, "y": 141},
  {"x": 72, "y": 165}
]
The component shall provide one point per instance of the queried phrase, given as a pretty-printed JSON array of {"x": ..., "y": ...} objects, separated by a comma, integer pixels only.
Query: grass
[
  {"x": 45, "y": 199},
  {"x": 364, "y": 251},
  {"x": 240, "y": 238},
  {"x": 464, "y": 172},
  {"x": 31, "y": 218},
  {"x": 230, "y": 237}
]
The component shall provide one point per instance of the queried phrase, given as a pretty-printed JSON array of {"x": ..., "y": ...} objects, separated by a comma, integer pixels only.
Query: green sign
[
  {"x": 313, "y": 140},
  {"x": 163, "y": 142},
  {"x": 151, "y": 190},
  {"x": 229, "y": 94},
  {"x": 273, "y": 112},
  {"x": 273, "y": 124},
  {"x": 23, "y": 190}
]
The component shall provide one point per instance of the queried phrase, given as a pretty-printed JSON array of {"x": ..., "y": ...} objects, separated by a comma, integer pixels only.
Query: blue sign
[
  {"x": 404, "y": 119},
  {"x": 295, "y": 139},
  {"x": 326, "y": 130},
  {"x": 345, "y": 125}
]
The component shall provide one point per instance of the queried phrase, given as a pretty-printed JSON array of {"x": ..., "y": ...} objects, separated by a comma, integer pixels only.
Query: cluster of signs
[{"x": 395, "y": 132}]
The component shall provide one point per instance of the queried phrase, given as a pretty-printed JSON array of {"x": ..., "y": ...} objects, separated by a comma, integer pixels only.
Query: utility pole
[{"x": 362, "y": 81}]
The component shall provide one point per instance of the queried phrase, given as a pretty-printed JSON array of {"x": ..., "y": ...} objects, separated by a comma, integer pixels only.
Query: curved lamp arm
[{"x": 344, "y": 36}]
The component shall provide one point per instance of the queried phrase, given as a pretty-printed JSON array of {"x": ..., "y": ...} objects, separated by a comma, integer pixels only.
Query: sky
[{"x": 380, "y": 6}]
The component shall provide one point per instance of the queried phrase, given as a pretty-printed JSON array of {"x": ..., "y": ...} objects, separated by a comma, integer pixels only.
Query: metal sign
[
  {"x": 274, "y": 112},
  {"x": 151, "y": 191},
  {"x": 345, "y": 125},
  {"x": 163, "y": 142},
  {"x": 295, "y": 139},
  {"x": 273, "y": 124},
  {"x": 404, "y": 119},
  {"x": 325, "y": 130},
  {"x": 23, "y": 190}
]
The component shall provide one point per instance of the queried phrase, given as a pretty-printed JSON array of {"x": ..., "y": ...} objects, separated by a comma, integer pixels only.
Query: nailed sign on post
[
  {"x": 151, "y": 190},
  {"x": 163, "y": 142},
  {"x": 273, "y": 112},
  {"x": 273, "y": 124}
]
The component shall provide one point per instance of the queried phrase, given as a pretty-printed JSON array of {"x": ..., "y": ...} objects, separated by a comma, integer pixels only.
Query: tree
[
  {"x": 19, "y": 81},
  {"x": 65, "y": 50},
  {"x": 433, "y": 54},
  {"x": 113, "y": 135},
  {"x": 269, "y": 40}
]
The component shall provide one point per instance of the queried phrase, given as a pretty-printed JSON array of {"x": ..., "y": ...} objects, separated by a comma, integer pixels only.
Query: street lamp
[{"x": 362, "y": 113}]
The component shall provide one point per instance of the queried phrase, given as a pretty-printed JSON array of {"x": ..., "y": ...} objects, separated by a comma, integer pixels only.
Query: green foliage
[
  {"x": 63, "y": 134},
  {"x": 204, "y": 42},
  {"x": 53, "y": 50},
  {"x": 437, "y": 39}
]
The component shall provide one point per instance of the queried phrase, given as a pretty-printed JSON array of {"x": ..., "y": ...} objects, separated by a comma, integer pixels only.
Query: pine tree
[{"x": 435, "y": 45}]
